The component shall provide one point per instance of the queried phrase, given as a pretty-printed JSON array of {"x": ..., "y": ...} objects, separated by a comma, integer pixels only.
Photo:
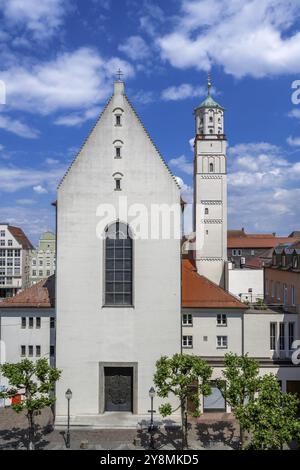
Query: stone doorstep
[{"x": 114, "y": 421}]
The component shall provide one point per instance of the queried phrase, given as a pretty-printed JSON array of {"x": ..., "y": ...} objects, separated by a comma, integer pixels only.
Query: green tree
[
  {"x": 239, "y": 384},
  {"x": 37, "y": 379},
  {"x": 186, "y": 377},
  {"x": 271, "y": 417}
]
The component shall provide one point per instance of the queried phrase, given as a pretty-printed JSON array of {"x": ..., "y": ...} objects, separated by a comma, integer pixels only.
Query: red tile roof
[
  {"x": 251, "y": 241},
  {"x": 199, "y": 292},
  {"x": 40, "y": 295},
  {"x": 20, "y": 237}
]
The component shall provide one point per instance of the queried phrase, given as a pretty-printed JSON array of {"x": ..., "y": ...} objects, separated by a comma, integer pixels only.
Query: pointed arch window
[{"x": 118, "y": 265}]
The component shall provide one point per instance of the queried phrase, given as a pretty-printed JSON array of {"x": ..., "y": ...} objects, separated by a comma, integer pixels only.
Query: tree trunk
[
  {"x": 242, "y": 437},
  {"x": 30, "y": 418},
  {"x": 184, "y": 424}
]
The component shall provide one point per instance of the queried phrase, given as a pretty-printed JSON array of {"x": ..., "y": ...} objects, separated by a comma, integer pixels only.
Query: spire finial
[
  {"x": 119, "y": 75},
  {"x": 208, "y": 83}
]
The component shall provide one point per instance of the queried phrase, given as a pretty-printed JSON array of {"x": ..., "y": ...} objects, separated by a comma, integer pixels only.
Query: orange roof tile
[
  {"x": 40, "y": 295},
  {"x": 258, "y": 242},
  {"x": 198, "y": 291}
]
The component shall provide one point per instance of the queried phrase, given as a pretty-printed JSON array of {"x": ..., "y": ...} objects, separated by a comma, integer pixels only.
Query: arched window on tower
[
  {"x": 211, "y": 167},
  {"x": 118, "y": 265}
]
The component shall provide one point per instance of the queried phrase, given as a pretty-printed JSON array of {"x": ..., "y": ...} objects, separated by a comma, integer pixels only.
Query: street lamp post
[
  {"x": 151, "y": 428},
  {"x": 68, "y": 397}
]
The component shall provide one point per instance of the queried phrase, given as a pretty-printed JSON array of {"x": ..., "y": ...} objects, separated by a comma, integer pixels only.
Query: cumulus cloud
[
  {"x": 182, "y": 92},
  {"x": 42, "y": 180},
  {"x": 293, "y": 141},
  {"x": 183, "y": 164},
  {"x": 73, "y": 80},
  {"x": 18, "y": 128},
  {"x": 40, "y": 18},
  {"x": 135, "y": 48},
  {"x": 253, "y": 38},
  {"x": 263, "y": 188}
]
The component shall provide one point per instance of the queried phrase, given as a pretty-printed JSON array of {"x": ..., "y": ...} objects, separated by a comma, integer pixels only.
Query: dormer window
[{"x": 283, "y": 260}]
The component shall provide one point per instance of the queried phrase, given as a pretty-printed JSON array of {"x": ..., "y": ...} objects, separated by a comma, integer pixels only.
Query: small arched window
[
  {"x": 211, "y": 131},
  {"x": 118, "y": 265},
  {"x": 211, "y": 167}
]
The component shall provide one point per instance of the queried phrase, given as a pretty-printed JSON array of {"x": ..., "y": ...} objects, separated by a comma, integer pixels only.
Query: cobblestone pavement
[{"x": 213, "y": 431}]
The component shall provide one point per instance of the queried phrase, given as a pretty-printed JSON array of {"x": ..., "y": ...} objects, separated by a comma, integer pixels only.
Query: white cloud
[
  {"x": 76, "y": 119},
  {"x": 263, "y": 188},
  {"x": 182, "y": 164},
  {"x": 39, "y": 189},
  {"x": 181, "y": 92},
  {"x": 253, "y": 38},
  {"x": 51, "y": 161},
  {"x": 77, "y": 80},
  {"x": 15, "y": 178},
  {"x": 294, "y": 113},
  {"x": 293, "y": 141},
  {"x": 143, "y": 97},
  {"x": 18, "y": 128},
  {"x": 41, "y": 18},
  {"x": 135, "y": 48},
  {"x": 25, "y": 202}
]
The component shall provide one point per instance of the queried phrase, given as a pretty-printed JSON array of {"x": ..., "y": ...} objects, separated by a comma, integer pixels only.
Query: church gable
[{"x": 119, "y": 147}]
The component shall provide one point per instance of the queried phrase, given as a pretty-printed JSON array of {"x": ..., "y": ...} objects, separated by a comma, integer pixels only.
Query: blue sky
[{"x": 58, "y": 62}]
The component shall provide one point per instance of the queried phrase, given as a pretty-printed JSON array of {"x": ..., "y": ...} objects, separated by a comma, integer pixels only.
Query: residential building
[
  {"x": 27, "y": 325},
  {"x": 15, "y": 250},
  {"x": 282, "y": 279},
  {"x": 214, "y": 323},
  {"x": 43, "y": 258},
  {"x": 247, "y": 284},
  {"x": 243, "y": 248}
]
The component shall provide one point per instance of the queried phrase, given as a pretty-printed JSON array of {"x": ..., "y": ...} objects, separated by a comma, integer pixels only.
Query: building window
[
  {"x": 278, "y": 290},
  {"x": 281, "y": 337},
  {"x": 2, "y": 242},
  {"x": 187, "y": 341},
  {"x": 222, "y": 319},
  {"x": 118, "y": 120},
  {"x": 30, "y": 351},
  {"x": 52, "y": 350},
  {"x": 273, "y": 336},
  {"x": 30, "y": 322},
  {"x": 2, "y": 233},
  {"x": 118, "y": 265},
  {"x": 291, "y": 334},
  {"x": 211, "y": 167},
  {"x": 118, "y": 184},
  {"x": 23, "y": 322},
  {"x": 284, "y": 294},
  {"x": 38, "y": 322},
  {"x": 9, "y": 242},
  {"x": 210, "y": 119},
  {"x": 34, "y": 262},
  {"x": 38, "y": 351},
  {"x": 23, "y": 350},
  {"x": 9, "y": 281},
  {"x": 211, "y": 131},
  {"x": 222, "y": 342},
  {"x": 52, "y": 322},
  {"x": 267, "y": 286},
  {"x": 34, "y": 272},
  {"x": 293, "y": 295},
  {"x": 206, "y": 211},
  {"x": 272, "y": 289},
  {"x": 295, "y": 262},
  {"x": 187, "y": 319},
  {"x": 118, "y": 152},
  {"x": 40, "y": 262},
  {"x": 40, "y": 273},
  {"x": 17, "y": 253},
  {"x": 274, "y": 261},
  {"x": 283, "y": 260},
  {"x": 47, "y": 272},
  {"x": 17, "y": 272}
]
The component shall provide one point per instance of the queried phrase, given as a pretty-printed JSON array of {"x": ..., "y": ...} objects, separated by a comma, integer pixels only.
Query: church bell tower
[{"x": 210, "y": 190}]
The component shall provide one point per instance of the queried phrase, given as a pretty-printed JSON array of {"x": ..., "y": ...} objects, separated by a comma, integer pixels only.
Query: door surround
[{"x": 134, "y": 366}]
